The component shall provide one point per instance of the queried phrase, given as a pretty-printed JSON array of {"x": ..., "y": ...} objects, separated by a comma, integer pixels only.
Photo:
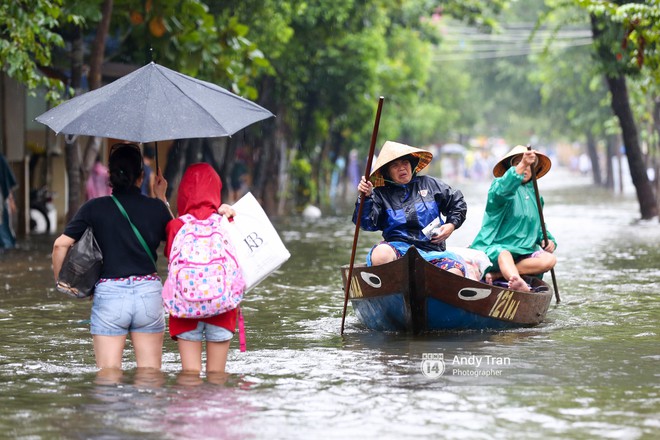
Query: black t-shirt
[{"x": 123, "y": 255}]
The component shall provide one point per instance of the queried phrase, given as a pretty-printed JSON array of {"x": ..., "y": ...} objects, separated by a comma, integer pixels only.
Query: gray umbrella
[
  {"x": 457, "y": 149},
  {"x": 154, "y": 103}
]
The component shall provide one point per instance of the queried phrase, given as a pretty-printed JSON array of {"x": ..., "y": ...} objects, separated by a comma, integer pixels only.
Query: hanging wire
[{"x": 462, "y": 43}]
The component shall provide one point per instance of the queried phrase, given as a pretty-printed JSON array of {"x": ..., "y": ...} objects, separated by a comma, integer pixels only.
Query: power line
[
  {"x": 492, "y": 46},
  {"x": 467, "y": 56},
  {"x": 520, "y": 40},
  {"x": 515, "y": 36}
]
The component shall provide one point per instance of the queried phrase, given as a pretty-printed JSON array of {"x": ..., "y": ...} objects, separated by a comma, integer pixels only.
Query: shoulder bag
[{"x": 81, "y": 267}]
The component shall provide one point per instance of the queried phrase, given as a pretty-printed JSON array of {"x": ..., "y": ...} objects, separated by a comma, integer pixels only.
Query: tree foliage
[
  {"x": 637, "y": 38},
  {"x": 28, "y": 35},
  {"x": 612, "y": 25},
  {"x": 320, "y": 67}
]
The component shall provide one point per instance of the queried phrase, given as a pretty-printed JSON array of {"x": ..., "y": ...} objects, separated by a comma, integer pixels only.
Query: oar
[
  {"x": 545, "y": 233},
  {"x": 367, "y": 170}
]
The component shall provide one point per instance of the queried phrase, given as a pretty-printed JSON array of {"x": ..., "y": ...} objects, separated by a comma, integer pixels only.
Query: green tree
[
  {"x": 319, "y": 66},
  {"x": 574, "y": 94},
  {"x": 29, "y": 32},
  {"x": 328, "y": 72},
  {"x": 611, "y": 26},
  {"x": 185, "y": 35}
]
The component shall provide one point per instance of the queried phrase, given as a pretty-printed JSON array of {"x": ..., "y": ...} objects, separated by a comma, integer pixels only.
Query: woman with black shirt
[{"x": 127, "y": 298}]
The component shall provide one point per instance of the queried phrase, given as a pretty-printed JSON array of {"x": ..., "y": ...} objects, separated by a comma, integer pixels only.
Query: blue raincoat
[{"x": 402, "y": 211}]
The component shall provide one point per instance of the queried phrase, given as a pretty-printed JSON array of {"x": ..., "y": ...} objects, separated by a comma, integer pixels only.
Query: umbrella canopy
[
  {"x": 154, "y": 103},
  {"x": 453, "y": 149}
]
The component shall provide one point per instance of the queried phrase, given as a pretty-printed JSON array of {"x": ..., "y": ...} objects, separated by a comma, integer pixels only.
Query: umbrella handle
[{"x": 156, "y": 157}]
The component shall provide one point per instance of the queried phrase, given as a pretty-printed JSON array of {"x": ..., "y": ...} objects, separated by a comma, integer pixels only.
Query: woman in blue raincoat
[
  {"x": 511, "y": 233},
  {"x": 411, "y": 210}
]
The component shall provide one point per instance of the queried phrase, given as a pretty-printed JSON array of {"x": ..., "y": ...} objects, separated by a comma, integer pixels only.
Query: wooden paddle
[
  {"x": 367, "y": 171},
  {"x": 545, "y": 233}
]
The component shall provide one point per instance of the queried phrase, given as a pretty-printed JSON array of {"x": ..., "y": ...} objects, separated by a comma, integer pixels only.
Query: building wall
[
  {"x": 32, "y": 150},
  {"x": 12, "y": 144}
]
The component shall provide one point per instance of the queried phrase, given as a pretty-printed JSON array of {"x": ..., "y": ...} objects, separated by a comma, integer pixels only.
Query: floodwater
[{"x": 591, "y": 370}]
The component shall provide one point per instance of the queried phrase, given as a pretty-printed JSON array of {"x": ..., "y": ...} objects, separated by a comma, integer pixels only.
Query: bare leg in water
[{"x": 510, "y": 272}]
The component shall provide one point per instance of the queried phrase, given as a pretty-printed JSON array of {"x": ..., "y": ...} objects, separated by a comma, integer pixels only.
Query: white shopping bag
[
  {"x": 259, "y": 249},
  {"x": 477, "y": 261}
]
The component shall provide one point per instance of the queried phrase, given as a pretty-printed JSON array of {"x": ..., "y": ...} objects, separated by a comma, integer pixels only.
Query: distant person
[
  {"x": 584, "y": 164},
  {"x": 402, "y": 204},
  {"x": 147, "y": 186},
  {"x": 199, "y": 198},
  {"x": 511, "y": 234},
  {"x": 353, "y": 168},
  {"x": 335, "y": 178},
  {"x": 127, "y": 298},
  {"x": 98, "y": 181},
  {"x": 7, "y": 205}
]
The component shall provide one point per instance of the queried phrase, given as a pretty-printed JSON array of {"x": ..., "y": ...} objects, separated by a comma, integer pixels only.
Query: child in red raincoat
[{"x": 199, "y": 196}]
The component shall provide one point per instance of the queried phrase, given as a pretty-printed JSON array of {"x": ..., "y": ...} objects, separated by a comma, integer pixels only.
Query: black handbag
[{"x": 81, "y": 268}]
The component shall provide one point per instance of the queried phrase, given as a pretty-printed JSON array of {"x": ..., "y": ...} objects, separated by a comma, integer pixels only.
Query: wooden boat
[{"x": 412, "y": 295}]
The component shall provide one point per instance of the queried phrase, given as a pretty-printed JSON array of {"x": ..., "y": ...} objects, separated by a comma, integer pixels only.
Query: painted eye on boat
[
  {"x": 371, "y": 279},
  {"x": 473, "y": 294}
]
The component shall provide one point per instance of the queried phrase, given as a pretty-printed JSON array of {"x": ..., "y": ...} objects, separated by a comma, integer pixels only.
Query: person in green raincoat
[{"x": 511, "y": 233}]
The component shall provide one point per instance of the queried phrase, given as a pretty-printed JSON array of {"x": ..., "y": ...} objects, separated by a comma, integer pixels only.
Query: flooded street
[{"x": 591, "y": 370}]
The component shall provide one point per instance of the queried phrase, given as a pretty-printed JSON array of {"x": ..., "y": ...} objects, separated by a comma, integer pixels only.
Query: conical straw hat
[
  {"x": 543, "y": 163},
  {"x": 394, "y": 150}
]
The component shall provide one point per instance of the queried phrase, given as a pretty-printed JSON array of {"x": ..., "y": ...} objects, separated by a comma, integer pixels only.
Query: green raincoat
[{"x": 511, "y": 221}]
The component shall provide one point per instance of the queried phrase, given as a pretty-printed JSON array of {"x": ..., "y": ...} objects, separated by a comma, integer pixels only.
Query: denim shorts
[
  {"x": 127, "y": 305},
  {"x": 445, "y": 260},
  {"x": 212, "y": 332}
]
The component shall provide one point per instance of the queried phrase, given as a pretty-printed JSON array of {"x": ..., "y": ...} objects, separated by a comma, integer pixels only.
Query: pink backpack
[{"x": 204, "y": 278}]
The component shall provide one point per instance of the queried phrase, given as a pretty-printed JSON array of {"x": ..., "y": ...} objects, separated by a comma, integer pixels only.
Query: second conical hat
[{"x": 543, "y": 163}]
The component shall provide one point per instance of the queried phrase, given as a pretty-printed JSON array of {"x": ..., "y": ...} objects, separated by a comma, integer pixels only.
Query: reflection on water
[{"x": 589, "y": 371}]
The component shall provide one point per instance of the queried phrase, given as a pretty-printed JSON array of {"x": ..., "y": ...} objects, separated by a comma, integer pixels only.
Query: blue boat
[{"x": 412, "y": 295}]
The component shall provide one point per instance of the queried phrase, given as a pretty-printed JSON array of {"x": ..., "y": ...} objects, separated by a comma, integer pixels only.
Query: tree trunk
[
  {"x": 655, "y": 148},
  {"x": 93, "y": 146},
  {"x": 72, "y": 160},
  {"x": 286, "y": 157},
  {"x": 77, "y": 61},
  {"x": 98, "y": 47},
  {"x": 77, "y": 57},
  {"x": 610, "y": 147},
  {"x": 78, "y": 167},
  {"x": 656, "y": 116},
  {"x": 593, "y": 156},
  {"x": 622, "y": 110},
  {"x": 266, "y": 174},
  {"x": 71, "y": 150},
  {"x": 616, "y": 82},
  {"x": 320, "y": 172}
]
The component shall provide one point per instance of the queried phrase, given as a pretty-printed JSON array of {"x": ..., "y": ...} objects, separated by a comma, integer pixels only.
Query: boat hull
[{"x": 412, "y": 295}]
